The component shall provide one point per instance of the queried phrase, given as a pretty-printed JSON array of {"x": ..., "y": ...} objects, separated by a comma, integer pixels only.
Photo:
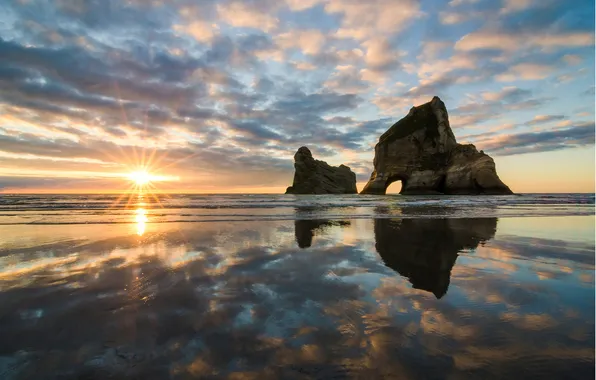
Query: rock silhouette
[
  {"x": 317, "y": 177},
  {"x": 425, "y": 250},
  {"x": 420, "y": 150},
  {"x": 305, "y": 229}
]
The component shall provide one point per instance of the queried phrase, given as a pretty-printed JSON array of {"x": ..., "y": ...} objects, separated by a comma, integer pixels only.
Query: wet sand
[{"x": 367, "y": 298}]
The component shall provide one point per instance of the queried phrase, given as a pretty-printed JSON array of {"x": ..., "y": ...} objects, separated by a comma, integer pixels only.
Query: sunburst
[
  {"x": 145, "y": 165},
  {"x": 140, "y": 178}
]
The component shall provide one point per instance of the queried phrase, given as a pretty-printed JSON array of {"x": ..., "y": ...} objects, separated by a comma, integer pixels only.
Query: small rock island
[
  {"x": 317, "y": 177},
  {"x": 420, "y": 150}
]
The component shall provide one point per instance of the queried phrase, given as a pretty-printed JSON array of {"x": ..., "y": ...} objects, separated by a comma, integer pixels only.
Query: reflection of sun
[{"x": 141, "y": 219}]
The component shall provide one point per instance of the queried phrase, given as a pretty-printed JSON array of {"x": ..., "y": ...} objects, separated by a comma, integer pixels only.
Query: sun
[{"x": 140, "y": 178}]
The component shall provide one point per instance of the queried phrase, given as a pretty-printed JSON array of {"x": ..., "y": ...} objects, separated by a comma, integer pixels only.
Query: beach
[{"x": 293, "y": 287}]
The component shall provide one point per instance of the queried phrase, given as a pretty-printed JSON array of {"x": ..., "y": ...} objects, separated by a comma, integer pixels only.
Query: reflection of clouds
[
  {"x": 435, "y": 323},
  {"x": 550, "y": 275},
  {"x": 503, "y": 260},
  {"x": 530, "y": 321},
  {"x": 501, "y": 288},
  {"x": 547, "y": 250},
  {"x": 587, "y": 278},
  {"x": 20, "y": 271},
  {"x": 552, "y": 365},
  {"x": 242, "y": 300}
]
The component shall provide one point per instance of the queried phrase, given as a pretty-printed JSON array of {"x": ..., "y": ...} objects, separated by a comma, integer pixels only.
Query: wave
[
  {"x": 105, "y": 209},
  {"x": 104, "y": 202}
]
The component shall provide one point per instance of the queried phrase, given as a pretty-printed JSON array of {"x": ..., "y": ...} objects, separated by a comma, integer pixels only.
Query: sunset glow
[{"x": 217, "y": 97}]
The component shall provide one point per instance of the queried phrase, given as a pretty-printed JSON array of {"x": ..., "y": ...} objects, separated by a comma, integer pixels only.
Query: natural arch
[
  {"x": 422, "y": 152},
  {"x": 394, "y": 187}
]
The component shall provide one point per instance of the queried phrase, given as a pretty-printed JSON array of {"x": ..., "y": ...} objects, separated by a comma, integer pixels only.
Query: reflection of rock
[
  {"x": 305, "y": 229},
  {"x": 317, "y": 177},
  {"x": 425, "y": 250},
  {"x": 420, "y": 150}
]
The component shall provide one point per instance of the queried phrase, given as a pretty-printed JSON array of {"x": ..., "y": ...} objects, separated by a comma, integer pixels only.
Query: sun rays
[{"x": 145, "y": 166}]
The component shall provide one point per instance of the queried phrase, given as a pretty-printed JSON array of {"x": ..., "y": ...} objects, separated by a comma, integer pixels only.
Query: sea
[{"x": 262, "y": 286}]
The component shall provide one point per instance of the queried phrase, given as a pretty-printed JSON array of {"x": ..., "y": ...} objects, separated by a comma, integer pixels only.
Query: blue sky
[{"x": 218, "y": 95}]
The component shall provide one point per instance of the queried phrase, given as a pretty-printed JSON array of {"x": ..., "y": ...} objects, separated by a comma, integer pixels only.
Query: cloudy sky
[{"x": 218, "y": 95}]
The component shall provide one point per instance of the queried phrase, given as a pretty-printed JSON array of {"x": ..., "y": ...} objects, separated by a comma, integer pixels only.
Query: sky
[{"x": 217, "y": 96}]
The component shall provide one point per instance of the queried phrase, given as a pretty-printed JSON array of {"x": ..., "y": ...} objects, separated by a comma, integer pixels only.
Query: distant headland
[{"x": 419, "y": 150}]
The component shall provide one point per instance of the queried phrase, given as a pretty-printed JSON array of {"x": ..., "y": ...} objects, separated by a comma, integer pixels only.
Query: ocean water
[
  {"x": 82, "y": 209},
  {"x": 296, "y": 287}
]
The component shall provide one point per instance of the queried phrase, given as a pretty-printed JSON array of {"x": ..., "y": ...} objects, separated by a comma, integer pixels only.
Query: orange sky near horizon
[{"x": 550, "y": 172}]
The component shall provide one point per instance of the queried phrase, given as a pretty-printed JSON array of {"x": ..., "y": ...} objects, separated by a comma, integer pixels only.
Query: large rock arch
[{"x": 420, "y": 150}]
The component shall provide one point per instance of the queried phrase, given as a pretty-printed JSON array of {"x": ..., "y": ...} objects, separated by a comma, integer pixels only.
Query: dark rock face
[
  {"x": 317, "y": 177},
  {"x": 425, "y": 250},
  {"x": 421, "y": 151}
]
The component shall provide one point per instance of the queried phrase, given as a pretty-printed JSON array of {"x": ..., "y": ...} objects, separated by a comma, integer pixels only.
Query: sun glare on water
[{"x": 141, "y": 219}]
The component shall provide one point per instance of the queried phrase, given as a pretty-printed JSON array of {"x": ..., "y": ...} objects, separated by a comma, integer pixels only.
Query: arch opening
[{"x": 394, "y": 187}]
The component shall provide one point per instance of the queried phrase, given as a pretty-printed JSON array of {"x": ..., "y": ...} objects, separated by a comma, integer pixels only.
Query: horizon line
[{"x": 259, "y": 193}]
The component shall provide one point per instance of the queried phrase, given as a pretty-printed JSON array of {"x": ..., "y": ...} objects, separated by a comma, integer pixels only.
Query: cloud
[
  {"x": 457, "y": 3},
  {"x": 347, "y": 79},
  {"x": 334, "y": 57},
  {"x": 341, "y": 120},
  {"x": 508, "y": 94},
  {"x": 300, "y": 5},
  {"x": 465, "y": 121},
  {"x": 511, "y": 6},
  {"x": 543, "y": 119},
  {"x": 305, "y": 66},
  {"x": 543, "y": 141},
  {"x": 526, "y": 71},
  {"x": 363, "y": 20},
  {"x": 379, "y": 55},
  {"x": 432, "y": 49},
  {"x": 78, "y": 69},
  {"x": 436, "y": 76},
  {"x": 200, "y": 30},
  {"x": 453, "y": 18},
  {"x": 324, "y": 102},
  {"x": 244, "y": 15},
  {"x": 572, "y": 59},
  {"x": 494, "y": 105},
  {"x": 565, "y": 78},
  {"x": 490, "y": 109},
  {"x": 510, "y": 41},
  {"x": 449, "y": 18},
  {"x": 308, "y": 41}
]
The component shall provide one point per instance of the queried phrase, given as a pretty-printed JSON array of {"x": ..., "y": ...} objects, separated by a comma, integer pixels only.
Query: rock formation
[
  {"x": 425, "y": 250},
  {"x": 420, "y": 150},
  {"x": 317, "y": 177}
]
